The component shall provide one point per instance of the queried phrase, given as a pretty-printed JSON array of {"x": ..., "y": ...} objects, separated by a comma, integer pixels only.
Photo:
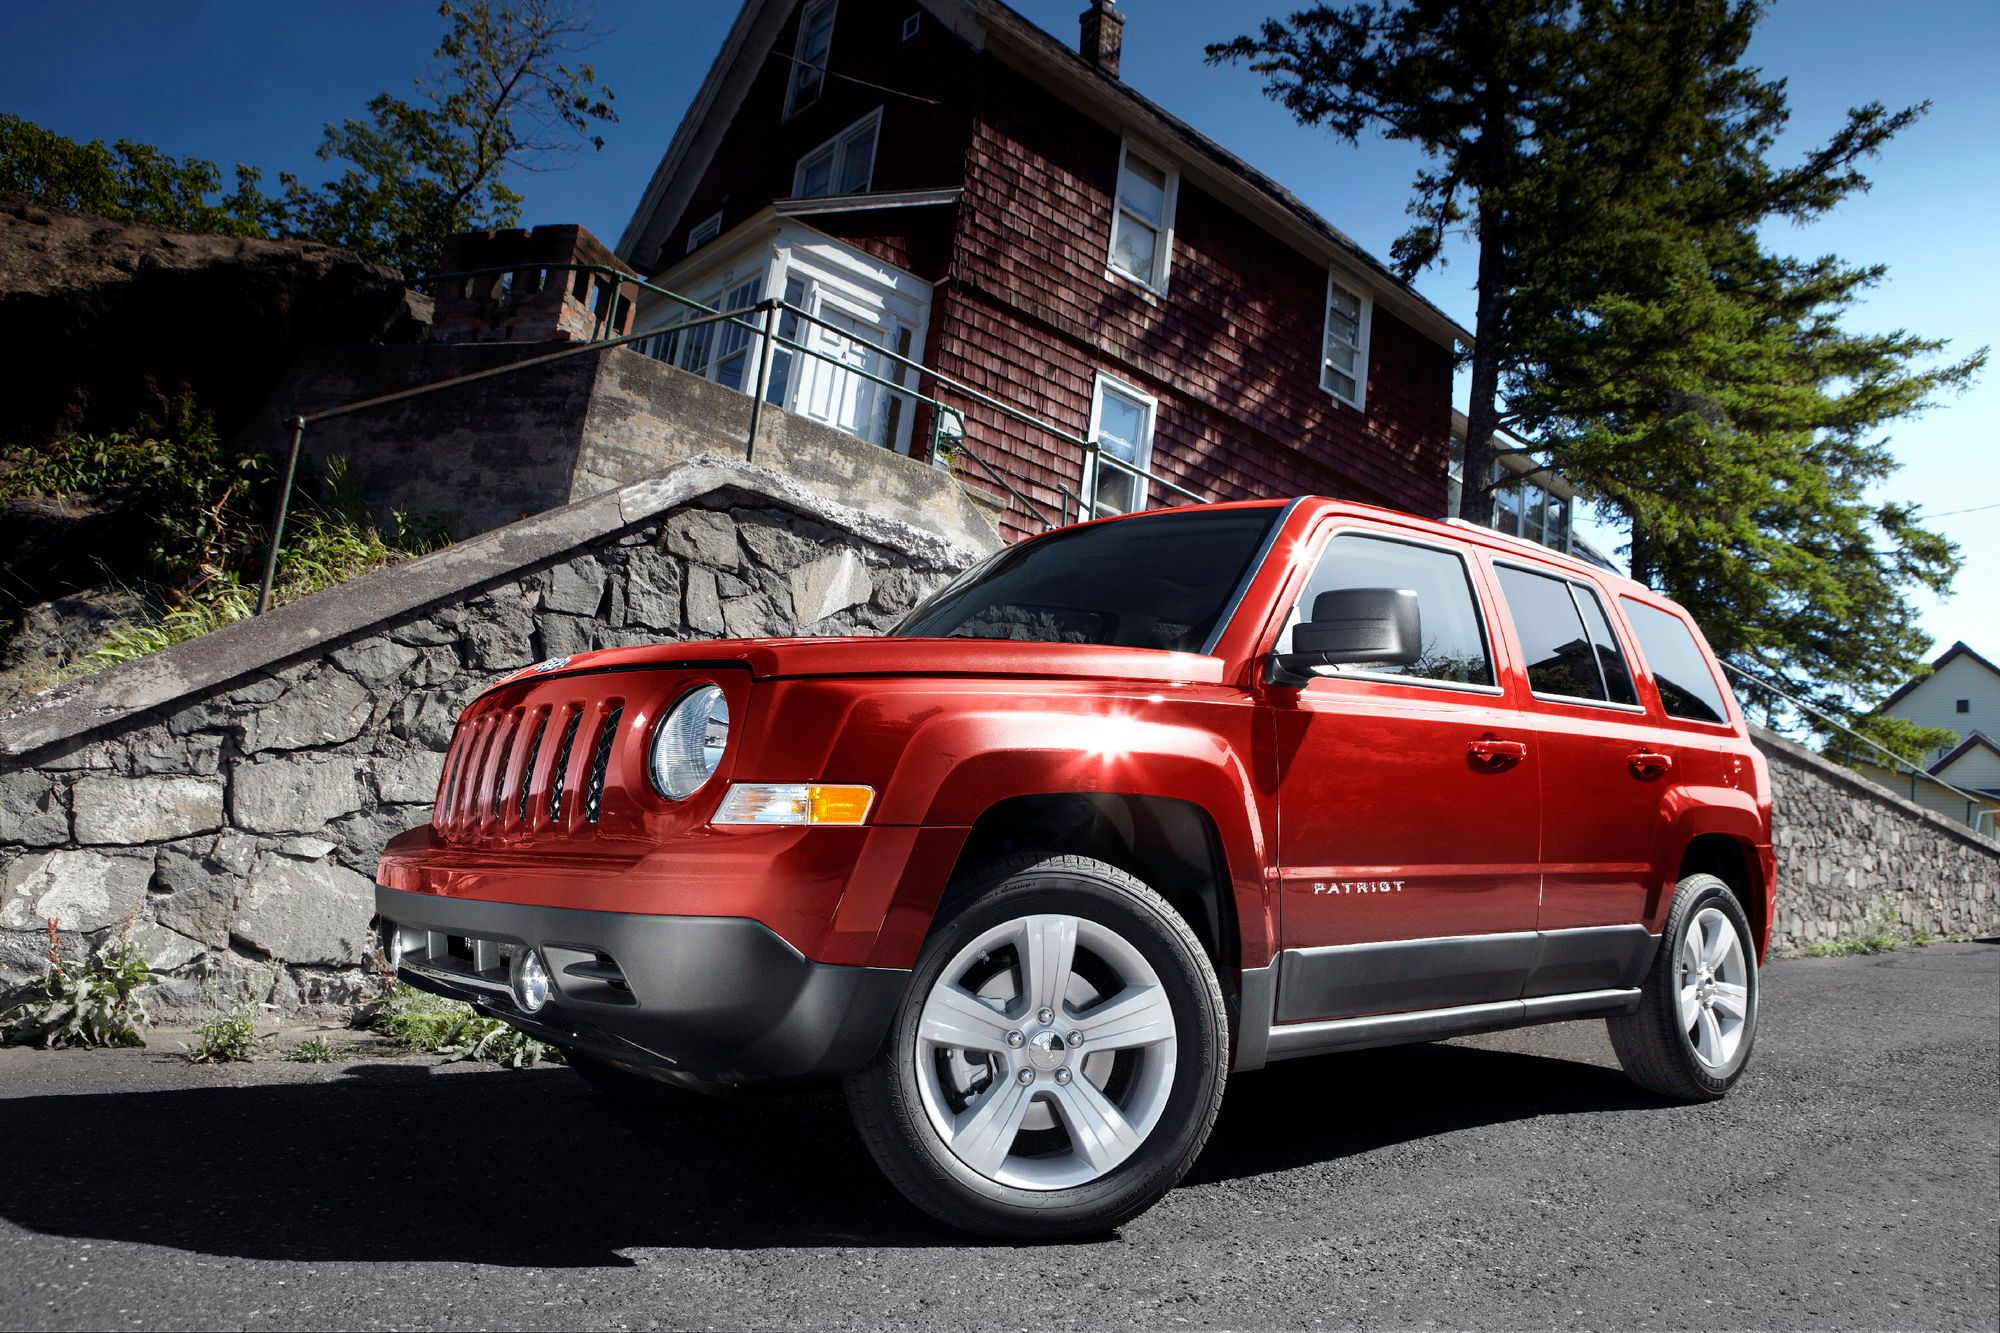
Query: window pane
[
  {"x": 1117, "y": 493},
  {"x": 1679, "y": 667},
  {"x": 1610, "y": 658},
  {"x": 1134, "y": 247},
  {"x": 816, "y": 176},
  {"x": 1454, "y": 642},
  {"x": 857, "y": 160},
  {"x": 1343, "y": 316},
  {"x": 1121, "y": 425},
  {"x": 1143, "y": 189},
  {"x": 1340, "y": 383},
  {"x": 1558, "y": 652},
  {"x": 1157, "y": 581},
  {"x": 1531, "y": 513}
]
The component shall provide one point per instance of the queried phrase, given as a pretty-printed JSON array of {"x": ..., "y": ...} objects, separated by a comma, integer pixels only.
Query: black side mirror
[{"x": 1353, "y": 625}]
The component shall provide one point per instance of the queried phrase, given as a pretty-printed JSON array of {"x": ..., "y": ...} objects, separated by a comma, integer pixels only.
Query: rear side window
[
  {"x": 1570, "y": 650},
  {"x": 1680, "y": 669},
  {"x": 1454, "y": 640}
]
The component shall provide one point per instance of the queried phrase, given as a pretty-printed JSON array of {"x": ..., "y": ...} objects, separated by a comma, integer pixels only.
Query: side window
[
  {"x": 1610, "y": 658},
  {"x": 809, "y": 55},
  {"x": 1343, "y": 366},
  {"x": 1142, "y": 219},
  {"x": 844, "y": 164},
  {"x": 1562, "y": 660},
  {"x": 1680, "y": 669},
  {"x": 1454, "y": 640}
]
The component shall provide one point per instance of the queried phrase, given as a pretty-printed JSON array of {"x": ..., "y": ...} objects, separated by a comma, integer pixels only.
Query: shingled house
[{"x": 942, "y": 179}]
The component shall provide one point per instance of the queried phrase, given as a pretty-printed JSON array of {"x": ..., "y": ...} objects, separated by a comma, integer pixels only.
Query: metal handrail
[
  {"x": 1978, "y": 811},
  {"x": 775, "y": 308}
]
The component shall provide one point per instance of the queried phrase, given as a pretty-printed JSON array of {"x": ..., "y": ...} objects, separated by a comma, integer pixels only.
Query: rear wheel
[
  {"x": 1058, "y": 1060},
  {"x": 1691, "y": 1035}
]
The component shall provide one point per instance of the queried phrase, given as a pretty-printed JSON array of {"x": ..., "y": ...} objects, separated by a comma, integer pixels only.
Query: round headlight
[
  {"x": 531, "y": 981},
  {"x": 688, "y": 746}
]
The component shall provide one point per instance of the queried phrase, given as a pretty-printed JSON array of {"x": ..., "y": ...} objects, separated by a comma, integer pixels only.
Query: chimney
[{"x": 1103, "y": 36}]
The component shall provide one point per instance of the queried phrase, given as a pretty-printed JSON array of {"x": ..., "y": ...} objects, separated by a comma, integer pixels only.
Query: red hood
[{"x": 855, "y": 656}]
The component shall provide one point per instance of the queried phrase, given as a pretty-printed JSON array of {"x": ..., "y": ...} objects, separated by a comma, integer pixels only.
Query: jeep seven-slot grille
[
  {"x": 593, "y": 796},
  {"x": 500, "y": 777}
]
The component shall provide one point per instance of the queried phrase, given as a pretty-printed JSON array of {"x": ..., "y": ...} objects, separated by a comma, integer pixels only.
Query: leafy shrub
[
  {"x": 325, "y": 544},
  {"x": 91, "y": 1000},
  {"x": 316, "y": 1051},
  {"x": 227, "y": 1038},
  {"x": 419, "y": 1021}
]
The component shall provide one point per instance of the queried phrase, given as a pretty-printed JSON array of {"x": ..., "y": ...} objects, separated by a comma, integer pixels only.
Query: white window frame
[
  {"x": 836, "y": 149},
  {"x": 1099, "y": 386},
  {"x": 1359, "y": 401},
  {"x": 799, "y": 63},
  {"x": 1164, "y": 253},
  {"x": 703, "y": 232}
]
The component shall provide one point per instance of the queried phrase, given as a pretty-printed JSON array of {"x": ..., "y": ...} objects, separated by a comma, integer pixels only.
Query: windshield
[{"x": 1156, "y": 581}]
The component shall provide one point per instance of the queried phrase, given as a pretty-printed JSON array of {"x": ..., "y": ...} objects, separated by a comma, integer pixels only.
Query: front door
[
  {"x": 831, "y": 392},
  {"x": 1408, "y": 806}
]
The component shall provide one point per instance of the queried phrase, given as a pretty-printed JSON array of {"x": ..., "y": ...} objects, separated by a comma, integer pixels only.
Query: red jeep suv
[{"x": 1123, "y": 809}]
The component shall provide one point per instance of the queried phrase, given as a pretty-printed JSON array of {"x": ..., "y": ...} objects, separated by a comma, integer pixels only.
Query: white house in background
[
  {"x": 1528, "y": 501},
  {"x": 1962, "y": 695}
]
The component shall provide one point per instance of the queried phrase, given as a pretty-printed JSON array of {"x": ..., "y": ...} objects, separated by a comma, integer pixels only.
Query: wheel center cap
[{"x": 1046, "y": 1051}]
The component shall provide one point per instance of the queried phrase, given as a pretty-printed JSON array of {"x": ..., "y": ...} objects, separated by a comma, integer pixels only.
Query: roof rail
[{"x": 1529, "y": 544}]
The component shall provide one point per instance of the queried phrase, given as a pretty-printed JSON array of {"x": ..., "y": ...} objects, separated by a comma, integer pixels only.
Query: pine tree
[{"x": 1611, "y": 161}]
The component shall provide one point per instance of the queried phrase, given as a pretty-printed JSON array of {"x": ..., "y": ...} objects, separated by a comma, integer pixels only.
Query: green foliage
[
  {"x": 227, "y": 1038},
  {"x": 204, "y": 510},
  {"x": 1907, "y": 740},
  {"x": 127, "y": 182},
  {"x": 196, "y": 499},
  {"x": 419, "y": 1021},
  {"x": 92, "y": 1000},
  {"x": 507, "y": 97},
  {"x": 316, "y": 1051},
  {"x": 1612, "y": 165}
]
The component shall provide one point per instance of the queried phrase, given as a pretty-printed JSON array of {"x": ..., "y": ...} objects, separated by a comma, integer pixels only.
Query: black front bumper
[{"x": 701, "y": 1001}]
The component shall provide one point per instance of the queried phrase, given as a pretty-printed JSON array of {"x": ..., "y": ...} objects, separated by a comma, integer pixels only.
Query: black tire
[
  {"x": 1653, "y": 1046},
  {"x": 888, "y": 1108}
]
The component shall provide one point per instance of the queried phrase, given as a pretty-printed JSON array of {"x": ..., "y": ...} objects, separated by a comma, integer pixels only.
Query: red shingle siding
[{"x": 1231, "y": 350}]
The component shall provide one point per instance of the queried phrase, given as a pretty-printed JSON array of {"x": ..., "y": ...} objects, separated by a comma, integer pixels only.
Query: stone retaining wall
[
  {"x": 1848, "y": 848},
  {"x": 230, "y": 796}
]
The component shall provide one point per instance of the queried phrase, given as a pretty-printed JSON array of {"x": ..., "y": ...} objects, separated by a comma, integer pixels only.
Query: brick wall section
[
  {"x": 239, "y": 825},
  {"x": 1848, "y": 848}
]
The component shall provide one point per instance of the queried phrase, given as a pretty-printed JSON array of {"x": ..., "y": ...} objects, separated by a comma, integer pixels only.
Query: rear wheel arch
[{"x": 1735, "y": 863}]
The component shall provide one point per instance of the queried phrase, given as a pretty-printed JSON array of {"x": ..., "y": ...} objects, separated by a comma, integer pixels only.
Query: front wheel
[
  {"x": 1691, "y": 1035},
  {"x": 1058, "y": 1060}
]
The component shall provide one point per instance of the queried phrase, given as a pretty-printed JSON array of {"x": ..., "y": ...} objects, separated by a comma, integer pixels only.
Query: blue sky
[{"x": 253, "y": 82}]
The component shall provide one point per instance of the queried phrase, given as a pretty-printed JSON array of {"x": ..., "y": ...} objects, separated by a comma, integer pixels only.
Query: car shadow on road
[{"x": 394, "y": 1162}]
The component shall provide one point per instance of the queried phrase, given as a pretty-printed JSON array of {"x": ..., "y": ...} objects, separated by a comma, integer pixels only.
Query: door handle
[
  {"x": 1497, "y": 753},
  {"x": 1649, "y": 763}
]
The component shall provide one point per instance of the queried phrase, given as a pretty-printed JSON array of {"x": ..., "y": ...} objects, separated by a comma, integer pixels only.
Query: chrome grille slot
[
  {"x": 498, "y": 808},
  {"x": 593, "y": 797},
  {"x": 561, "y": 775},
  {"x": 528, "y": 766}
]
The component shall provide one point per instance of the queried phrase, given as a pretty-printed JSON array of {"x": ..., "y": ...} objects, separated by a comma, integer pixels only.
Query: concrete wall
[
  {"x": 230, "y": 795},
  {"x": 1846, "y": 847},
  {"x": 484, "y": 454}
]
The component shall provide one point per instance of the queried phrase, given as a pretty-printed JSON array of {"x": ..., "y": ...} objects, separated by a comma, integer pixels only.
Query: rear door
[
  {"x": 1607, "y": 779},
  {"x": 1408, "y": 803}
]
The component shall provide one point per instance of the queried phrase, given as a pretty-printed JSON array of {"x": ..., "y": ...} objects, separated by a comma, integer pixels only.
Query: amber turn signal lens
[{"x": 794, "y": 803}]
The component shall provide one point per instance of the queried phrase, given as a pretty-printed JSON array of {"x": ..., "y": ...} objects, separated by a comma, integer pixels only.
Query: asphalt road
[{"x": 1852, "y": 1181}]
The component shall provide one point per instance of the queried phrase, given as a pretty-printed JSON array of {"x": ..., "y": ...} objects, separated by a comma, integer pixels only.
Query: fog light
[{"x": 531, "y": 981}]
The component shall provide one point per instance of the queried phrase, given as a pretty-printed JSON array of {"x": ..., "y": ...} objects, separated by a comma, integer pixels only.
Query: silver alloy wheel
[
  {"x": 1045, "y": 1052},
  {"x": 1714, "y": 988}
]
